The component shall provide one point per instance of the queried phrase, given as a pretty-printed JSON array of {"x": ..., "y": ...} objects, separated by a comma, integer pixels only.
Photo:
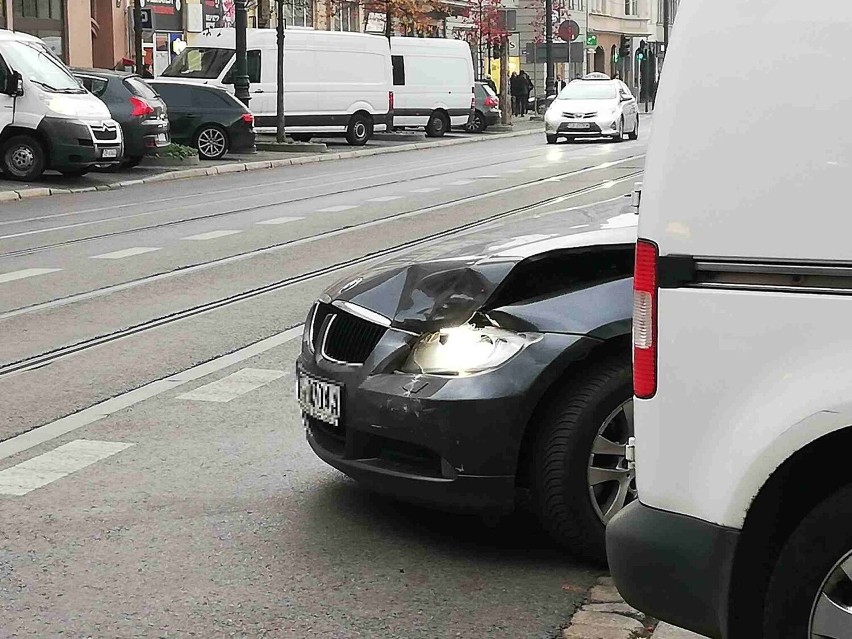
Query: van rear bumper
[{"x": 673, "y": 567}]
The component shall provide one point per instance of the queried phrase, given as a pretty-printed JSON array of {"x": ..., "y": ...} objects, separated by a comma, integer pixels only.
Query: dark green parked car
[{"x": 209, "y": 119}]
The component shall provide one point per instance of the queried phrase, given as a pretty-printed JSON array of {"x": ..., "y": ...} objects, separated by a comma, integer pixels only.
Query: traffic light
[
  {"x": 642, "y": 51},
  {"x": 624, "y": 51}
]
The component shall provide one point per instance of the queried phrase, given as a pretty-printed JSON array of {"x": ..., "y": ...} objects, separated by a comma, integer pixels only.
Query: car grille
[
  {"x": 106, "y": 133},
  {"x": 342, "y": 337},
  {"x": 580, "y": 116}
]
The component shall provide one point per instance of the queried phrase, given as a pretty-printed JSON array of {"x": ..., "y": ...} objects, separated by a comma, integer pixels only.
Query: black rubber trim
[
  {"x": 674, "y": 271},
  {"x": 673, "y": 567},
  {"x": 340, "y": 119},
  {"x": 410, "y": 113}
]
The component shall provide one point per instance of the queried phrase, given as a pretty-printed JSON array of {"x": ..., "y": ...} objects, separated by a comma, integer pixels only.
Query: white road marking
[
  {"x": 487, "y": 177},
  {"x": 539, "y": 166},
  {"x": 27, "y": 272},
  {"x": 461, "y": 182},
  {"x": 280, "y": 220},
  {"x": 212, "y": 235},
  {"x": 516, "y": 171},
  {"x": 117, "y": 255},
  {"x": 430, "y": 189},
  {"x": 106, "y": 408},
  {"x": 234, "y": 385},
  {"x": 338, "y": 209},
  {"x": 386, "y": 198},
  {"x": 579, "y": 226},
  {"x": 55, "y": 464}
]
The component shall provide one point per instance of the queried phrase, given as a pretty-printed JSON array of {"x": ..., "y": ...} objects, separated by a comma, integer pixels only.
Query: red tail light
[
  {"x": 140, "y": 108},
  {"x": 248, "y": 118},
  {"x": 645, "y": 320},
  {"x": 391, "y": 101},
  {"x": 491, "y": 101}
]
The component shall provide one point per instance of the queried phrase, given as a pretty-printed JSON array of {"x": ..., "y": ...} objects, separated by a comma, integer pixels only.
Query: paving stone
[
  {"x": 8, "y": 196},
  {"x": 606, "y": 581},
  {"x": 579, "y": 631},
  {"x": 608, "y": 620},
  {"x": 604, "y": 594},
  {"x": 617, "y": 608},
  {"x": 38, "y": 192},
  {"x": 665, "y": 631}
]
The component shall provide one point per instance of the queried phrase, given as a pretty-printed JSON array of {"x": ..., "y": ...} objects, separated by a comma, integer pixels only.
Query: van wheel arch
[{"x": 773, "y": 516}]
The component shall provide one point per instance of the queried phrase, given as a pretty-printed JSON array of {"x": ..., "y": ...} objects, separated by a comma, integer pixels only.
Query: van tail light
[
  {"x": 391, "y": 101},
  {"x": 645, "y": 320},
  {"x": 139, "y": 108},
  {"x": 248, "y": 118}
]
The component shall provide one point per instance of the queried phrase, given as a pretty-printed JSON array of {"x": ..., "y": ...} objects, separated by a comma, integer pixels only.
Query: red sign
[{"x": 569, "y": 30}]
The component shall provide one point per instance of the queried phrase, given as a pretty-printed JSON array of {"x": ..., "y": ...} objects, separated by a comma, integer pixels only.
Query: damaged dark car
[{"x": 471, "y": 370}]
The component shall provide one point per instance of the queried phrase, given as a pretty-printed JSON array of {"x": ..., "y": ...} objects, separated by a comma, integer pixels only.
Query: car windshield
[
  {"x": 588, "y": 91},
  {"x": 199, "y": 62},
  {"x": 32, "y": 61}
]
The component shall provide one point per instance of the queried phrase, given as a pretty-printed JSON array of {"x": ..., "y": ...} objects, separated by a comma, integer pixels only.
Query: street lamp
[
  {"x": 550, "y": 82},
  {"x": 241, "y": 79}
]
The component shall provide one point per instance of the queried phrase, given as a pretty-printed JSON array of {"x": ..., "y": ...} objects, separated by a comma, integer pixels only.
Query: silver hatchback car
[{"x": 595, "y": 107}]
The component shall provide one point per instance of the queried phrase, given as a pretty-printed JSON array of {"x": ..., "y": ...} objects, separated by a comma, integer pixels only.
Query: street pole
[
  {"x": 666, "y": 8},
  {"x": 388, "y": 20},
  {"x": 279, "y": 25},
  {"x": 137, "y": 36},
  {"x": 549, "y": 82},
  {"x": 586, "y": 66},
  {"x": 567, "y": 75},
  {"x": 241, "y": 79},
  {"x": 479, "y": 31}
]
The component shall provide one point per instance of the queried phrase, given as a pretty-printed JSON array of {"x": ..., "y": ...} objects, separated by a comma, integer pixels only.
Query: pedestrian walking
[
  {"x": 527, "y": 87},
  {"x": 515, "y": 87}
]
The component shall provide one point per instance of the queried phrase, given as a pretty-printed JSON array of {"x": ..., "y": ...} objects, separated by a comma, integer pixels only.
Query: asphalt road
[{"x": 148, "y": 341}]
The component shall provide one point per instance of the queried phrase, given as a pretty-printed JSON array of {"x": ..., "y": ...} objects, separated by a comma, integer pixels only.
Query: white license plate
[
  {"x": 162, "y": 137},
  {"x": 319, "y": 399},
  {"x": 110, "y": 153},
  {"x": 578, "y": 125}
]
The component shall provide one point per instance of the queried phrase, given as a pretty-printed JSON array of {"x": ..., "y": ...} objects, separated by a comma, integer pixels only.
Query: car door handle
[{"x": 258, "y": 91}]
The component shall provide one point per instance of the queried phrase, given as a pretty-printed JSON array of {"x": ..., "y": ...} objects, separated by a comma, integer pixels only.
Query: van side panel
[{"x": 738, "y": 394}]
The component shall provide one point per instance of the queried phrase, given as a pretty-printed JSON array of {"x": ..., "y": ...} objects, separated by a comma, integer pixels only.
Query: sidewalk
[{"x": 55, "y": 184}]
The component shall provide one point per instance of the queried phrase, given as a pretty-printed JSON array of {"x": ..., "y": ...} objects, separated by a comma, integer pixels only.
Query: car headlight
[
  {"x": 552, "y": 115},
  {"x": 465, "y": 350},
  {"x": 74, "y": 108}
]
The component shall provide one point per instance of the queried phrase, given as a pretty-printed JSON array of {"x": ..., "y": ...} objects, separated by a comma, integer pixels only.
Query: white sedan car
[{"x": 593, "y": 107}]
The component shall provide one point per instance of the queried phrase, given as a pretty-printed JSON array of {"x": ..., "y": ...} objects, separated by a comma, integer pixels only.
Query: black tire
[
  {"x": 438, "y": 125},
  {"x": 23, "y": 158},
  {"x": 634, "y": 134},
  {"x": 212, "y": 142},
  {"x": 619, "y": 137},
  {"x": 563, "y": 453},
  {"x": 552, "y": 139},
  {"x": 477, "y": 123},
  {"x": 73, "y": 173},
  {"x": 132, "y": 162},
  {"x": 360, "y": 130},
  {"x": 302, "y": 137},
  {"x": 821, "y": 540}
]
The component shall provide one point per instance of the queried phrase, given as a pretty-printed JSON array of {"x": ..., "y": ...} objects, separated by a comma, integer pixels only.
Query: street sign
[
  {"x": 591, "y": 40},
  {"x": 147, "y": 21},
  {"x": 569, "y": 30}
]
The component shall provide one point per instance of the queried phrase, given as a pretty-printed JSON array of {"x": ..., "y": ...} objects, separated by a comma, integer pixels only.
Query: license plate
[
  {"x": 578, "y": 125},
  {"x": 318, "y": 398},
  {"x": 162, "y": 137},
  {"x": 110, "y": 153}
]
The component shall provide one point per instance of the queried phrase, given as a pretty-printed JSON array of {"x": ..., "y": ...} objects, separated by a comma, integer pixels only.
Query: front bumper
[
  {"x": 145, "y": 137},
  {"x": 582, "y": 128},
  {"x": 673, "y": 567},
  {"x": 446, "y": 442},
  {"x": 79, "y": 144}
]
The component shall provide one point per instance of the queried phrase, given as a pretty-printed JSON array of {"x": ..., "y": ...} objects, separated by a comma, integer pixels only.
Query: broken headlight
[{"x": 465, "y": 350}]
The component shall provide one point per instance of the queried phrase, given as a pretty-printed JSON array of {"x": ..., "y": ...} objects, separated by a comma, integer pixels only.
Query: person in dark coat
[
  {"x": 515, "y": 88},
  {"x": 526, "y": 88}
]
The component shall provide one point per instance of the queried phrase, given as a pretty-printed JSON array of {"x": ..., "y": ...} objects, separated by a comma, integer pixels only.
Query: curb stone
[
  {"x": 608, "y": 616},
  {"x": 240, "y": 167}
]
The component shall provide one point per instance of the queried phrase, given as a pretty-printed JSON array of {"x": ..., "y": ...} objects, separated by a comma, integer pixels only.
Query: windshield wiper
[{"x": 53, "y": 89}]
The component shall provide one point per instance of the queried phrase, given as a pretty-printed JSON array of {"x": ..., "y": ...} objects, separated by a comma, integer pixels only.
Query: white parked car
[
  {"x": 742, "y": 340},
  {"x": 593, "y": 107}
]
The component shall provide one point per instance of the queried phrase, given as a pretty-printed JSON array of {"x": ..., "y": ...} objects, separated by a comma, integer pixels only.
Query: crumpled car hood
[{"x": 445, "y": 283}]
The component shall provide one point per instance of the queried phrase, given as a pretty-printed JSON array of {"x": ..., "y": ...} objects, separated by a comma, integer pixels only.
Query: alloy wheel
[
  {"x": 831, "y": 614},
  {"x": 612, "y": 484},
  {"x": 212, "y": 143}
]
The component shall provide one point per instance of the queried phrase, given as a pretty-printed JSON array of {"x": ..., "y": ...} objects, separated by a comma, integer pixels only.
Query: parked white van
[
  {"x": 743, "y": 330},
  {"x": 433, "y": 84},
  {"x": 47, "y": 119},
  {"x": 336, "y": 83}
]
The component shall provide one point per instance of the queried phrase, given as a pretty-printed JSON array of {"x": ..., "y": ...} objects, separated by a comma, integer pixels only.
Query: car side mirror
[
  {"x": 626, "y": 98},
  {"x": 14, "y": 84}
]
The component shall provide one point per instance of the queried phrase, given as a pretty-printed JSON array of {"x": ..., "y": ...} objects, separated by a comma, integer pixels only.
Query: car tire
[
  {"x": 477, "y": 123},
  {"x": 552, "y": 139},
  {"x": 581, "y": 429},
  {"x": 438, "y": 125},
  {"x": 211, "y": 140},
  {"x": 804, "y": 570},
  {"x": 23, "y": 158},
  {"x": 619, "y": 136},
  {"x": 360, "y": 130},
  {"x": 634, "y": 134},
  {"x": 302, "y": 137},
  {"x": 132, "y": 162}
]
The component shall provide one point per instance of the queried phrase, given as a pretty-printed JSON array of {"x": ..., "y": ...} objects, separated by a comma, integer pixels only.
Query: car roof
[
  {"x": 183, "y": 83},
  {"x": 105, "y": 73}
]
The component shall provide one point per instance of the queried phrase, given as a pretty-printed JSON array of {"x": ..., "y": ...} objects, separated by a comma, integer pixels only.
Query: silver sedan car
[{"x": 596, "y": 107}]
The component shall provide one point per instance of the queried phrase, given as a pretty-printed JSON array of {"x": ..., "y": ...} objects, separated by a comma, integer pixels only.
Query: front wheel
[
  {"x": 634, "y": 134},
  {"x": 810, "y": 591},
  {"x": 438, "y": 125},
  {"x": 23, "y": 158},
  {"x": 581, "y": 478},
  {"x": 552, "y": 139},
  {"x": 360, "y": 130},
  {"x": 211, "y": 142}
]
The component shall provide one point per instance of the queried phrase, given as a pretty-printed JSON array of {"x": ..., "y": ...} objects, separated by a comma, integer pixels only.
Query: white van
[
  {"x": 47, "y": 119},
  {"x": 336, "y": 83},
  {"x": 743, "y": 330},
  {"x": 433, "y": 83}
]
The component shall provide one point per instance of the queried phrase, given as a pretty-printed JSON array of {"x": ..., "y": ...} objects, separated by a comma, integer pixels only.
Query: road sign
[
  {"x": 147, "y": 21},
  {"x": 569, "y": 30},
  {"x": 591, "y": 40}
]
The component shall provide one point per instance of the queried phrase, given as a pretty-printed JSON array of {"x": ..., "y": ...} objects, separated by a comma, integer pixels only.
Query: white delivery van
[
  {"x": 47, "y": 119},
  {"x": 743, "y": 330},
  {"x": 336, "y": 83},
  {"x": 433, "y": 83}
]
